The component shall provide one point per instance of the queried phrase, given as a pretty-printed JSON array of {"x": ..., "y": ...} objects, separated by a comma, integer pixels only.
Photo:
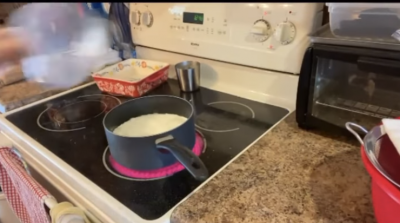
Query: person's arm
[{"x": 12, "y": 48}]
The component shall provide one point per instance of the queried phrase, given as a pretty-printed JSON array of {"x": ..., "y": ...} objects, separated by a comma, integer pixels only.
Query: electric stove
[{"x": 70, "y": 126}]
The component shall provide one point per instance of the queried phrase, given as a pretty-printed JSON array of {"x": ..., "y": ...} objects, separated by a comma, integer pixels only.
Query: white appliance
[{"x": 251, "y": 50}]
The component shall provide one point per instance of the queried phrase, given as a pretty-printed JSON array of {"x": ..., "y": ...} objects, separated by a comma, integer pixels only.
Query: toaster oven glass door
[{"x": 354, "y": 84}]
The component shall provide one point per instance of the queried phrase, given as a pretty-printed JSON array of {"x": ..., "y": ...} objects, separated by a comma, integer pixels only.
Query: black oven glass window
[{"x": 343, "y": 93}]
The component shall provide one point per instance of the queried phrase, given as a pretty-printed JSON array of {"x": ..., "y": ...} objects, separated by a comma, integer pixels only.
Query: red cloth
[{"x": 25, "y": 196}]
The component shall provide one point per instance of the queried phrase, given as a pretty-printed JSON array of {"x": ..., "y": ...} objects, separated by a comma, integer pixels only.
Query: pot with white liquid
[{"x": 153, "y": 132}]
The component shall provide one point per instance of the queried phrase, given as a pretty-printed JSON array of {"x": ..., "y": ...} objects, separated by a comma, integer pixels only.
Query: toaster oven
[{"x": 338, "y": 84}]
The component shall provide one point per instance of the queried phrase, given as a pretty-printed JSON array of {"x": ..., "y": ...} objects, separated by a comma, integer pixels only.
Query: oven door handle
[{"x": 378, "y": 65}]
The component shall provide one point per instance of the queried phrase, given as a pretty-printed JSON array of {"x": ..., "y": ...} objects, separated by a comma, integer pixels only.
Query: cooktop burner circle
[
  {"x": 139, "y": 175},
  {"x": 71, "y": 108},
  {"x": 210, "y": 121},
  {"x": 72, "y": 115}
]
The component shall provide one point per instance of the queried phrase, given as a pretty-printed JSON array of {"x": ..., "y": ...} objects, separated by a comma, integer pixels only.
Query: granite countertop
[
  {"x": 22, "y": 93},
  {"x": 289, "y": 176}
]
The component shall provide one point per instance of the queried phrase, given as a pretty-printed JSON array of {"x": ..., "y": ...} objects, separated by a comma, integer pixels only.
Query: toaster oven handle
[{"x": 378, "y": 65}]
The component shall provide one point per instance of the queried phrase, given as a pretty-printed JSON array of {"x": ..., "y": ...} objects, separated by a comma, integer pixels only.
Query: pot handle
[
  {"x": 349, "y": 126},
  {"x": 185, "y": 156}
]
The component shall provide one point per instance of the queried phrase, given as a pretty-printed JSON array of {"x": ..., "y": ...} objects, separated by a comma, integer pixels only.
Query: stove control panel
[{"x": 266, "y": 35}]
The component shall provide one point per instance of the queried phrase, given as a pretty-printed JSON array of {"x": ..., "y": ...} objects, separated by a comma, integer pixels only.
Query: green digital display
[{"x": 194, "y": 18}]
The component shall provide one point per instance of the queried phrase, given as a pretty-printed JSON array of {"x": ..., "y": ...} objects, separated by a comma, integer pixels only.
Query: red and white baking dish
[{"x": 132, "y": 77}]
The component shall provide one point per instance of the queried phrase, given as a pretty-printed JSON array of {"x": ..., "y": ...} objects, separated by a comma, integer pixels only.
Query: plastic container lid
[
  {"x": 363, "y": 5},
  {"x": 364, "y": 20}
]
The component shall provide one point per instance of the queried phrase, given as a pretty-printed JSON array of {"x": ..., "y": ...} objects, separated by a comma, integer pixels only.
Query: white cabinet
[{"x": 6, "y": 214}]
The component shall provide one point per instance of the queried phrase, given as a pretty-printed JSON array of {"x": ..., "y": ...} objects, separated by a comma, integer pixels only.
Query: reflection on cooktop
[
  {"x": 75, "y": 114},
  {"x": 229, "y": 125},
  {"x": 217, "y": 116}
]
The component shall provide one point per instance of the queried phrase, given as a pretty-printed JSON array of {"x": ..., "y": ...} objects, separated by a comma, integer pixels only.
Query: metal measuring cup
[{"x": 188, "y": 74}]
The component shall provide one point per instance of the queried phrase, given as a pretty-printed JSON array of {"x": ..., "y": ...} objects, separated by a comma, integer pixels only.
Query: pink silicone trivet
[{"x": 157, "y": 173}]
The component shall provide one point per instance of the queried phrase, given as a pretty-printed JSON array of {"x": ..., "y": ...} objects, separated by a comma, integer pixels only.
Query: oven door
[{"x": 339, "y": 84}]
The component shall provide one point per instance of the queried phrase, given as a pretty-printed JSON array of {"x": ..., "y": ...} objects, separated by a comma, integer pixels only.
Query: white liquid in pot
[{"x": 148, "y": 125}]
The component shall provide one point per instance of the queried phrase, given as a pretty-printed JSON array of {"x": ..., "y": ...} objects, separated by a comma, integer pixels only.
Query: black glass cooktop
[{"x": 71, "y": 127}]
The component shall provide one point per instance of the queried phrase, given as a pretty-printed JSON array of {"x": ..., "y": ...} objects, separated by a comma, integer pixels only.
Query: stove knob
[
  {"x": 135, "y": 17},
  {"x": 260, "y": 30},
  {"x": 147, "y": 19},
  {"x": 285, "y": 32}
]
